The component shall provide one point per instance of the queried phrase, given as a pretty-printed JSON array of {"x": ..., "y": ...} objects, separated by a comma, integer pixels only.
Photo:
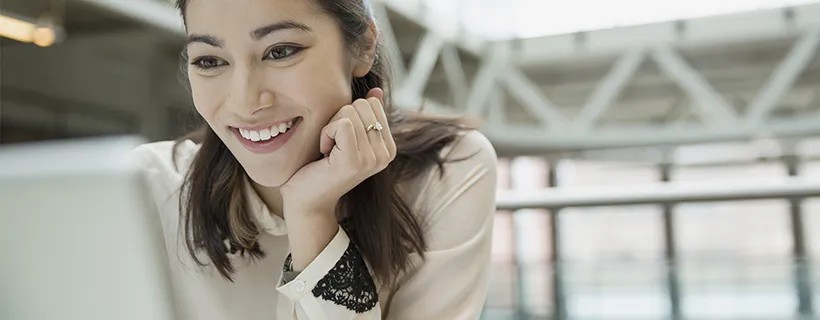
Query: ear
[{"x": 366, "y": 57}]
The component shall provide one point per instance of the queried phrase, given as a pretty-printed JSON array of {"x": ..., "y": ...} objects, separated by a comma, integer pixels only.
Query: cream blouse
[{"x": 456, "y": 211}]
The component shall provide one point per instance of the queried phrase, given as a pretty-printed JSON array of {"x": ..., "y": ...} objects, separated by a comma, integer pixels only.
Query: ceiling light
[{"x": 24, "y": 31}]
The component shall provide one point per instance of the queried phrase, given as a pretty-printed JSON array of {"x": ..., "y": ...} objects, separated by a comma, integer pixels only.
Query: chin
[{"x": 268, "y": 179}]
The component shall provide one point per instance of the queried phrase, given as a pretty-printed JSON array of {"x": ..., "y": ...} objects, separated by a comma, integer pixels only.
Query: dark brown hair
[{"x": 379, "y": 221}]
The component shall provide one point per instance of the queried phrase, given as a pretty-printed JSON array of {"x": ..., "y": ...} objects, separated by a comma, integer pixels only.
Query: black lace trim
[
  {"x": 349, "y": 283},
  {"x": 288, "y": 264}
]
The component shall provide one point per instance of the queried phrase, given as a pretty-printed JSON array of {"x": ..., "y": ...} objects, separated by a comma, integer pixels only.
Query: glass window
[
  {"x": 759, "y": 172},
  {"x": 502, "y": 275},
  {"x": 613, "y": 262},
  {"x": 501, "y": 297},
  {"x": 578, "y": 173},
  {"x": 612, "y": 255},
  {"x": 811, "y": 225},
  {"x": 735, "y": 259},
  {"x": 811, "y": 210},
  {"x": 533, "y": 240}
]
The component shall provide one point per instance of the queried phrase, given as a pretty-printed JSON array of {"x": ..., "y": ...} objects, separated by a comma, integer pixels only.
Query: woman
[{"x": 305, "y": 196}]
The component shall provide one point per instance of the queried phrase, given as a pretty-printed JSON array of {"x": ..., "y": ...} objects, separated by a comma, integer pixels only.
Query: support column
[
  {"x": 801, "y": 268},
  {"x": 670, "y": 254},
  {"x": 558, "y": 288}
]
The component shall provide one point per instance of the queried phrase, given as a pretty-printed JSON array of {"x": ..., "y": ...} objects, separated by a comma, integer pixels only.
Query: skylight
[{"x": 533, "y": 18}]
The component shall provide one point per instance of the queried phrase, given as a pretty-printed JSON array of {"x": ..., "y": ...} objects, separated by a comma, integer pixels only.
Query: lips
[
  {"x": 267, "y": 133},
  {"x": 267, "y": 139}
]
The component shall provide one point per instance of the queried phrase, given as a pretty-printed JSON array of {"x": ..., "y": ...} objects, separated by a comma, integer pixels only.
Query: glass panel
[
  {"x": 628, "y": 233},
  {"x": 575, "y": 173},
  {"x": 816, "y": 285},
  {"x": 613, "y": 262},
  {"x": 533, "y": 247},
  {"x": 735, "y": 259},
  {"x": 811, "y": 226},
  {"x": 616, "y": 290},
  {"x": 723, "y": 289},
  {"x": 532, "y": 240},
  {"x": 743, "y": 230},
  {"x": 759, "y": 172},
  {"x": 502, "y": 276}
]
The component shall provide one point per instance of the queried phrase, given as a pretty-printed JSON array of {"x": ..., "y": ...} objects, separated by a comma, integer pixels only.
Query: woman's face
[{"x": 267, "y": 76}]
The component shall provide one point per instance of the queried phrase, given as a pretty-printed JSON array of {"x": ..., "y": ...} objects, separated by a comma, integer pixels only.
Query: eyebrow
[
  {"x": 209, "y": 40},
  {"x": 256, "y": 35},
  {"x": 264, "y": 31}
]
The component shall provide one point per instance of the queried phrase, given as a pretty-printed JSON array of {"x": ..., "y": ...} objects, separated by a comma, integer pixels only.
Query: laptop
[{"x": 78, "y": 237}]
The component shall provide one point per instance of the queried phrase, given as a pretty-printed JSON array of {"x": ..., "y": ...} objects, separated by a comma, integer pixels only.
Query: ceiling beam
[{"x": 784, "y": 77}]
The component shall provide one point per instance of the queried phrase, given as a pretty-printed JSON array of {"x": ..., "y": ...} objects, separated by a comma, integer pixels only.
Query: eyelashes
[
  {"x": 207, "y": 63},
  {"x": 276, "y": 53}
]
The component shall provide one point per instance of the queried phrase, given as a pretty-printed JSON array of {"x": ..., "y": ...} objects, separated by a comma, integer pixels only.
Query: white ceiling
[{"x": 532, "y": 18}]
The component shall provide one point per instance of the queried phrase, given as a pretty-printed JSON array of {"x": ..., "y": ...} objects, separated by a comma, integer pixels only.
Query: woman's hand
[{"x": 352, "y": 154}]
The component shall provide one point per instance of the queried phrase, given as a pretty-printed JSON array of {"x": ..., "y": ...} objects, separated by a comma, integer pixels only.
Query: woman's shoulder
[
  {"x": 470, "y": 163},
  {"x": 456, "y": 202},
  {"x": 167, "y": 159},
  {"x": 471, "y": 148}
]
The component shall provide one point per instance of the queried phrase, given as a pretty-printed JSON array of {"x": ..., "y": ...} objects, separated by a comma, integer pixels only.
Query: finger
[
  {"x": 365, "y": 110},
  {"x": 349, "y": 111},
  {"x": 387, "y": 136},
  {"x": 339, "y": 134},
  {"x": 377, "y": 93},
  {"x": 373, "y": 140}
]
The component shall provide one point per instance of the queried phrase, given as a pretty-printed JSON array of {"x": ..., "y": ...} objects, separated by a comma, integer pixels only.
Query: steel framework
[{"x": 732, "y": 77}]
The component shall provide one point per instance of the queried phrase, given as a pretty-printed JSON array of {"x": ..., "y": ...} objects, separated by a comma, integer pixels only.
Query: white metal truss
[
  {"x": 591, "y": 90},
  {"x": 718, "y": 116}
]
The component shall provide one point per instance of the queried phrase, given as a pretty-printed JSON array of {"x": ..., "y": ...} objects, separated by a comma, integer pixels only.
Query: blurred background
[{"x": 658, "y": 159}]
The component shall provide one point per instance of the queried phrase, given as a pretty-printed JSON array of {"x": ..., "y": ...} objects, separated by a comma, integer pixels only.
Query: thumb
[{"x": 376, "y": 93}]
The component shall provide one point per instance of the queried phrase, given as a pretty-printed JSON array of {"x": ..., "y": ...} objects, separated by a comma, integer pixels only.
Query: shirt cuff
[{"x": 307, "y": 279}]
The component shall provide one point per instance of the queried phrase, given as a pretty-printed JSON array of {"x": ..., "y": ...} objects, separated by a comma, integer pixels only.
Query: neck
[{"x": 272, "y": 197}]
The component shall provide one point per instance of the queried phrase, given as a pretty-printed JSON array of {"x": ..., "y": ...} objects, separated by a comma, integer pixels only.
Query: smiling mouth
[{"x": 268, "y": 133}]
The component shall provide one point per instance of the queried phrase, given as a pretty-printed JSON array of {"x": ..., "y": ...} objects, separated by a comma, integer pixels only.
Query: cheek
[
  {"x": 321, "y": 88},
  {"x": 206, "y": 95}
]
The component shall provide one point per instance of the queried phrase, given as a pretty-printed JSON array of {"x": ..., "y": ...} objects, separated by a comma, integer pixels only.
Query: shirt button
[{"x": 300, "y": 286}]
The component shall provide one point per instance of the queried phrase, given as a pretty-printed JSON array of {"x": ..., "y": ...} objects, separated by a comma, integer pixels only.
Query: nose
[{"x": 249, "y": 94}]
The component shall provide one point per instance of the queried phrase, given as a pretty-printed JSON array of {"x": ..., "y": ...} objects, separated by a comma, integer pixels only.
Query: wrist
[{"x": 309, "y": 232}]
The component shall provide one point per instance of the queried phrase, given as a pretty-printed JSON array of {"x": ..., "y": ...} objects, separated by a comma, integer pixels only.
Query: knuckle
[
  {"x": 374, "y": 101},
  {"x": 347, "y": 109},
  {"x": 361, "y": 104}
]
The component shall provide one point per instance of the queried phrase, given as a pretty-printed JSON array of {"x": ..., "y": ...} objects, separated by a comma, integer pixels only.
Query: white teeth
[{"x": 266, "y": 134}]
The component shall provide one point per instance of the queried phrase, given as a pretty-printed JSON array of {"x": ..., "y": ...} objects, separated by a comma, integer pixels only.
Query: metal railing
[{"x": 674, "y": 278}]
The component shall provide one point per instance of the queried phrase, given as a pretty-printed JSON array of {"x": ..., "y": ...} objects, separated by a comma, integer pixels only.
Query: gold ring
[{"x": 376, "y": 125}]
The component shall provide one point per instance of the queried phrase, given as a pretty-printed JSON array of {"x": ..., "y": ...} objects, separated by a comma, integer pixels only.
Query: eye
[
  {"x": 207, "y": 63},
  {"x": 282, "y": 52}
]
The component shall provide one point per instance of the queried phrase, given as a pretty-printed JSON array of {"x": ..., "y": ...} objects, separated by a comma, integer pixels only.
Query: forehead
[{"x": 228, "y": 16}]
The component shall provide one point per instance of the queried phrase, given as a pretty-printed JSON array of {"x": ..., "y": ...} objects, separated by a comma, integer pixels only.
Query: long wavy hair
[{"x": 379, "y": 221}]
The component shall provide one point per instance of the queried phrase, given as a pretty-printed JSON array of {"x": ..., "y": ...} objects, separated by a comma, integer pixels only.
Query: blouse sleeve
[{"x": 450, "y": 282}]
